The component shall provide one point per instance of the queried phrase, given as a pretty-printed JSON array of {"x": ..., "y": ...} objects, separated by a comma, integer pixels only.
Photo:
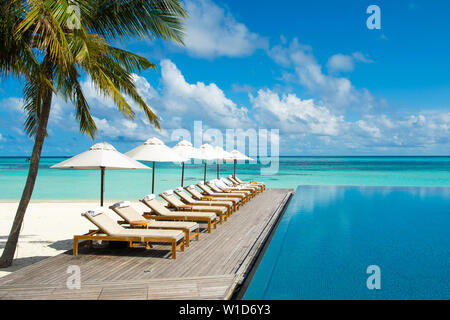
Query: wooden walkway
[{"x": 210, "y": 268}]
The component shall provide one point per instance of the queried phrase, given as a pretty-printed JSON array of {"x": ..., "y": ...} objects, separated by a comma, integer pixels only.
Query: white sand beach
[{"x": 48, "y": 228}]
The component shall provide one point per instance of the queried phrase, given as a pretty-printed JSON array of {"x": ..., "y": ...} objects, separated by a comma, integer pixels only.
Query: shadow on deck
[{"x": 210, "y": 268}]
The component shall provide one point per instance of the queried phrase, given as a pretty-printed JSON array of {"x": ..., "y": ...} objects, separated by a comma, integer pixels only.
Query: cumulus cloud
[
  {"x": 199, "y": 101},
  {"x": 177, "y": 103},
  {"x": 340, "y": 62},
  {"x": 345, "y": 63},
  {"x": 293, "y": 115},
  {"x": 337, "y": 92},
  {"x": 308, "y": 126},
  {"x": 212, "y": 32}
]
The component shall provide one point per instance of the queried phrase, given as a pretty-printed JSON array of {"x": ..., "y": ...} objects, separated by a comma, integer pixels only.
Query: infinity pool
[{"x": 329, "y": 236}]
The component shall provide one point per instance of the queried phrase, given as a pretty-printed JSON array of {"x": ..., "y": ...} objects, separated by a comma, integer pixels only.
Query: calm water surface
[
  {"x": 330, "y": 235},
  {"x": 293, "y": 171}
]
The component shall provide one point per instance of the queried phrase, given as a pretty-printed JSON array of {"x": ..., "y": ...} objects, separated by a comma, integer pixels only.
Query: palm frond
[
  {"x": 47, "y": 19},
  {"x": 36, "y": 30},
  {"x": 125, "y": 19}
]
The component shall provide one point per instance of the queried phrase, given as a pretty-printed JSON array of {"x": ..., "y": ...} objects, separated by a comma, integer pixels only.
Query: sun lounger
[
  {"x": 210, "y": 192},
  {"x": 252, "y": 188},
  {"x": 187, "y": 199},
  {"x": 173, "y": 201},
  {"x": 218, "y": 186},
  {"x": 258, "y": 183},
  {"x": 160, "y": 212},
  {"x": 198, "y": 196},
  {"x": 109, "y": 230},
  {"x": 133, "y": 218}
]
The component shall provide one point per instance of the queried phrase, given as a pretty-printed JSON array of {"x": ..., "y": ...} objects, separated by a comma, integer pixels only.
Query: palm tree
[{"x": 51, "y": 44}]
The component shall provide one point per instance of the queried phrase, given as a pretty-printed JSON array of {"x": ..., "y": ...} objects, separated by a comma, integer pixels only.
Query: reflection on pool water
[{"x": 329, "y": 236}]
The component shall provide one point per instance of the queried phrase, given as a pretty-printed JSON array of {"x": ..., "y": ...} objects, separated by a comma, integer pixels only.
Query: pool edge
[{"x": 241, "y": 288}]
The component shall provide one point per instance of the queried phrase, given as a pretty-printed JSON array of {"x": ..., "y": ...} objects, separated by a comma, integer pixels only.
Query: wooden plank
[{"x": 209, "y": 269}]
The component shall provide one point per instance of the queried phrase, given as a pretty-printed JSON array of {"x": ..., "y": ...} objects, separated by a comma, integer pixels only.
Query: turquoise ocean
[{"x": 292, "y": 172}]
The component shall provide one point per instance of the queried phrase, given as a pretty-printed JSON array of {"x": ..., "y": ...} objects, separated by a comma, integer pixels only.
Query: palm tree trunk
[{"x": 10, "y": 248}]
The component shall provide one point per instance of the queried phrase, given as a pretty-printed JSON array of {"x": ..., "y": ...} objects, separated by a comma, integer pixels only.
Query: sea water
[{"x": 292, "y": 171}]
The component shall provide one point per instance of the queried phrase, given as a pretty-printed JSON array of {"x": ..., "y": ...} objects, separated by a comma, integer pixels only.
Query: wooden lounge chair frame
[
  {"x": 249, "y": 195},
  {"x": 145, "y": 224},
  {"x": 261, "y": 185},
  {"x": 254, "y": 191},
  {"x": 190, "y": 207},
  {"x": 201, "y": 196},
  {"x": 134, "y": 242},
  {"x": 185, "y": 199},
  {"x": 157, "y": 216},
  {"x": 244, "y": 197}
]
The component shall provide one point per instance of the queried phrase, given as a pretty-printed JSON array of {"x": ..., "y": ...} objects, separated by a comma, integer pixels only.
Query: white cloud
[
  {"x": 177, "y": 104},
  {"x": 14, "y": 104},
  {"x": 293, "y": 115},
  {"x": 372, "y": 130},
  {"x": 306, "y": 125},
  {"x": 198, "y": 101},
  {"x": 358, "y": 56},
  {"x": 213, "y": 32},
  {"x": 336, "y": 92},
  {"x": 340, "y": 62},
  {"x": 345, "y": 63}
]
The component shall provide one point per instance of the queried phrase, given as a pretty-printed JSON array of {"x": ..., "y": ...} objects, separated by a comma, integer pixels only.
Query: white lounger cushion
[
  {"x": 121, "y": 204},
  {"x": 161, "y": 210},
  {"x": 228, "y": 183},
  {"x": 220, "y": 184},
  {"x": 94, "y": 212},
  {"x": 110, "y": 227},
  {"x": 192, "y": 226},
  {"x": 149, "y": 197},
  {"x": 168, "y": 192},
  {"x": 130, "y": 214},
  {"x": 153, "y": 233}
]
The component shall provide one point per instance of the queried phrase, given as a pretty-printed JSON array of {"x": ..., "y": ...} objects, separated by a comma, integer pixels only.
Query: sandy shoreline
[{"x": 48, "y": 228}]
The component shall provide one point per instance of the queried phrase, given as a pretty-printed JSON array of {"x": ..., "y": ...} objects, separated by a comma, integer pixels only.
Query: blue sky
[{"x": 311, "y": 69}]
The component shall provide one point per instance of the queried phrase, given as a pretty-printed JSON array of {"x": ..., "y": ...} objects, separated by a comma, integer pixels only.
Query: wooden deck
[{"x": 210, "y": 268}]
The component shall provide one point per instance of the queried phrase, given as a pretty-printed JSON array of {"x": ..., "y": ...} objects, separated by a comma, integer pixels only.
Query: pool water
[{"x": 330, "y": 235}]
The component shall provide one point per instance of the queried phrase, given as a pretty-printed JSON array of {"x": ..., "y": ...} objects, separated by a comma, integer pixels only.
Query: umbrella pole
[
  {"x": 204, "y": 175},
  {"x": 153, "y": 178},
  {"x": 234, "y": 172},
  {"x": 217, "y": 169},
  {"x": 102, "y": 175},
  {"x": 182, "y": 174}
]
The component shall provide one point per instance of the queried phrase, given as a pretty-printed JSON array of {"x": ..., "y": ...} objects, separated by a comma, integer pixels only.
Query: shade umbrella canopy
[
  {"x": 235, "y": 156},
  {"x": 185, "y": 150},
  {"x": 100, "y": 156},
  {"x": 207, "y": 152},
  {"x": 221, "y": 155},
  {"x": 156, "y": 151}
]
